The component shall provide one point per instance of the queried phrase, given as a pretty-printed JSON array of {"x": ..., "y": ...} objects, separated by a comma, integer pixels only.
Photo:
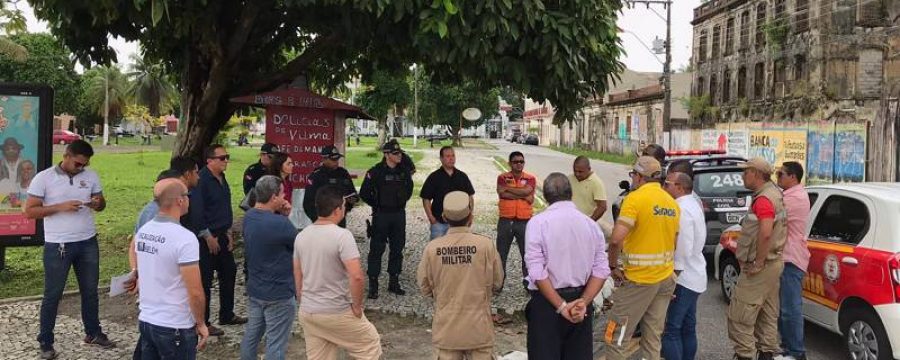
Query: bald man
[
  {"x": 588, "y": 190},
  {"x": 171, "y": 296}
]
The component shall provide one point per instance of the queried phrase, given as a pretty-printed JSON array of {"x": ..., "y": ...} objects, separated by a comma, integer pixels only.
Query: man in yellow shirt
[
  {"x": 645, "y": 235},
  {"x": 588, "y": 191}
]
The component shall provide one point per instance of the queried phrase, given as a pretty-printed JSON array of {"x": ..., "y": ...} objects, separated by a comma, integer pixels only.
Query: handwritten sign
[{"x": 301, "y": 133}]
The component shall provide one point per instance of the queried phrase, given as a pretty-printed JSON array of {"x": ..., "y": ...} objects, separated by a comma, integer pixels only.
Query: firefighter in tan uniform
[
  {"x": 462, "y": 271},
  {"x": 753, "y": 313}
]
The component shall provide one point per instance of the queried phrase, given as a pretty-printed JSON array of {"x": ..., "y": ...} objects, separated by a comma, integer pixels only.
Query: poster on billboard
[
  {"x": 738, "y": 142},
  {"x": 820, "y": 153},
  {"x": 794, "y": 147},
  {"x": 850, "y": 152},
  {"x": 26, "y": 113}
]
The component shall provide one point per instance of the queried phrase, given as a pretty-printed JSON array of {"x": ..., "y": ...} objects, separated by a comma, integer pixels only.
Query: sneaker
[
  {"x": 235, "y": 320},
  {"x": 214, "y": 331},
  {"x": 48, "y": 353},
  {"x": 99, "y": 340}
]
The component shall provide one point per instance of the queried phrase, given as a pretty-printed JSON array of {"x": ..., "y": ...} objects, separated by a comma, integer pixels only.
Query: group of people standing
[{"x": 654, "y": 256}]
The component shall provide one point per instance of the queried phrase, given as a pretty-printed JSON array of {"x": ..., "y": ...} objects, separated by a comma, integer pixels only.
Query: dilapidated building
[{"x": 798, "y": 61}]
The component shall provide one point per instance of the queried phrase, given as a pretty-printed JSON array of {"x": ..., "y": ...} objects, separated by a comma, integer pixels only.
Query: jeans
[
  {"x": 224, "y": 264},
  {"x": 84, "y": 256},
  {"x": 507, "y": 230},
  {"x": 790, "y": 319},
  {"x": 679, "y": 340},
  {"x": 164, "y": 343},
  {"x": 439, "y": 229},
  {"x": 272, "y": 318}
]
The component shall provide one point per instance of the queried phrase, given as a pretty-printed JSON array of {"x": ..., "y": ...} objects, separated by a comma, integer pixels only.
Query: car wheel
[
  {"x": 865, "y": 336},
  {"x": 729, "y": 270}
]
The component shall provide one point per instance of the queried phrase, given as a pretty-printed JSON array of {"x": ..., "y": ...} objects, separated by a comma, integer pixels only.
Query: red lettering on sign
[{"x": 301, "y": 133}]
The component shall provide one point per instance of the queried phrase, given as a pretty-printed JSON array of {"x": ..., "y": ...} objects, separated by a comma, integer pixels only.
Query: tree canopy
[
  {"x": 556, "y": 51},
  {"x": 48, "y": 63}
]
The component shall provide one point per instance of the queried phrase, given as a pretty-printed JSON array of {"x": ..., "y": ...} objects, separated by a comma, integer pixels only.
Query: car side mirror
[{"x": 624, "y": 185}]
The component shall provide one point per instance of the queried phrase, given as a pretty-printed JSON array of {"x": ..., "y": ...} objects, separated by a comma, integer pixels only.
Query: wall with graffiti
[{"x": 830, "y": 151}]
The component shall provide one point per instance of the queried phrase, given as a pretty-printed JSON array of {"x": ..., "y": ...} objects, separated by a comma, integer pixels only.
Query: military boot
[
  {"x": 373, "y": 287},
  {"x": 736, "y": 357},
  {"x": 762, "y": 355},
  {"x": 394, "y": 286}
]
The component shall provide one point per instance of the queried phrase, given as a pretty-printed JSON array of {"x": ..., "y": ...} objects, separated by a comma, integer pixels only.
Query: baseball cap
[
  {"x": 758, "y": 164},
  {"x": 331, "y": 151},
  {"x": 647, "y": 166},
  {"x": 269, "y": 148},
  {"x": 390, "y": 146},
  {"x": 456, "y": 206}
]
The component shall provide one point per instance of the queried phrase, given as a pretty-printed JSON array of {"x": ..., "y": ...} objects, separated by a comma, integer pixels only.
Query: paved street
[{"x": 711, "y": 327}]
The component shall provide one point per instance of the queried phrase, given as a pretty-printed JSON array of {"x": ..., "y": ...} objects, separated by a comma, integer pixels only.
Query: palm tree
[
  {"x": 150, "y": 85},
  {"x": 106, "y": 89},
  {"x": 12, "y": 22}
]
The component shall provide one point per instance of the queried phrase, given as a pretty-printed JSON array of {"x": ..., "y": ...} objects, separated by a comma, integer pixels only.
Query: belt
[{"x": 563, "y": 291}]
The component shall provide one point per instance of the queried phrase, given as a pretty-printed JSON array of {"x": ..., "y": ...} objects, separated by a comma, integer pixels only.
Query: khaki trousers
[
  {"x": 753, "y": 312},
  {"x": 474, "y": 354},
  {"x": 325, "y": 333},
  {"x": 633, "y": 303}
]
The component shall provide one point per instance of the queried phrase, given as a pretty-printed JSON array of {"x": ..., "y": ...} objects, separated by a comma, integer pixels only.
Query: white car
[{"x": 852, "y": 285}]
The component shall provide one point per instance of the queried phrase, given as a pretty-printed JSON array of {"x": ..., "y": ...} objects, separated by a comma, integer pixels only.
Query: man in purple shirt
[
  {"x": 565, "y": 254},
  {"x": 796, "y": 259}
]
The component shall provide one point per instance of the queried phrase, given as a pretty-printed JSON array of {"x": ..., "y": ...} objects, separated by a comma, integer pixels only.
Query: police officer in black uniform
[
  {"x": 258, "y": 169},
  {"x": 330, "y": 173},
  {"x": 387, "y": 187}
]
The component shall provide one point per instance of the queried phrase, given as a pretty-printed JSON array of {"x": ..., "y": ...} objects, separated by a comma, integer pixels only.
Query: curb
[{"x": 67, "y": 293}]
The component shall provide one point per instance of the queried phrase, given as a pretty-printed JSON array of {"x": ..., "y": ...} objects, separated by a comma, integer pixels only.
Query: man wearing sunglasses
[
  {"x": 386, "y": 188},
  {"x": 258, "y": 169},
  {"x": 65, "y": 197},
  {"x": 211, "y": 219},
  {"x": 516, "y": 191}
]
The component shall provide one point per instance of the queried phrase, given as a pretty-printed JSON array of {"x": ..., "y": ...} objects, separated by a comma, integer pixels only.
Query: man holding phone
[{"x": 65, "y": 197}]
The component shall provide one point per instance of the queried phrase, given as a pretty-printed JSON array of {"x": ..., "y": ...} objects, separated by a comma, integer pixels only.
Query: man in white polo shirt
[
  {"x": 172, "y": 322},
  {"x": 65, "y": 197}
]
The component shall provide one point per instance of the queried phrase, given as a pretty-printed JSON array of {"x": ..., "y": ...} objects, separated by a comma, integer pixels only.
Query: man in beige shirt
[
  {"x": 588, "y": 191},
  {"x": 462, "y": 271}
]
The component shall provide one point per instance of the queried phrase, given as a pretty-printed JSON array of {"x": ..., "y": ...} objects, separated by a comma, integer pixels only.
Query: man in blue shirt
[
  {"x": 269, "y": 246},
  {"x": 211, "y": 219}
]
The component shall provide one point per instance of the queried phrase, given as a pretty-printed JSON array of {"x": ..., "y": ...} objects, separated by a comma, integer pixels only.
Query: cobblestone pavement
[{"x": 19, "y": 321}]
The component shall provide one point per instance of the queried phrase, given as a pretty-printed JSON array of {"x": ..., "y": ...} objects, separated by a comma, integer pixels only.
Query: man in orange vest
[{"x": 516, "y": 191}]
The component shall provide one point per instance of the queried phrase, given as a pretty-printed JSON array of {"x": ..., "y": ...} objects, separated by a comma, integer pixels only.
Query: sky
[{"x": 639, "y": 24}]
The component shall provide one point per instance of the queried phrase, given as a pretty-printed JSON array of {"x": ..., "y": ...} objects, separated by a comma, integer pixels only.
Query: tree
[
  {"x": 49, "y": 64},
  {"x": 443, "y": 104},
  {"x": 558, "y": 51},
  {"x": 12, "y": 22},
  {"x": 516, "y": 100},
  {"x": 387, "y": 92},
  {"x": 150, "y": 85},
  {"x": 106, "y": 91}
]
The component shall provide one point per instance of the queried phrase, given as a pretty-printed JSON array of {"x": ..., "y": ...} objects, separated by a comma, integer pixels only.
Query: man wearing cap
[
  {"x": 386, "y": 188},
  {"x": 9, "y": 164},
  {"x": 330, "y": 173},
  {"x": 754, "y": 309},
  {"x": 258, "y": 169},
  {"x": 461, "y": 271},
  {"x": 644, "y": 236}
]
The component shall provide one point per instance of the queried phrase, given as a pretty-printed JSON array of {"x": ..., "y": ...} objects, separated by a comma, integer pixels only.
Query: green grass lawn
[
  {"x": 628, "y": 159},
  {"x": 127, "y": 180}
]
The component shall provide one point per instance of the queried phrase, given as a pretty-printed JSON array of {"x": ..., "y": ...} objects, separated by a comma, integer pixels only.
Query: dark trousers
[
  {"x": 507, "y": 230},
  {"x": 551, "y": 336},
  {"x": 224, "y": 264},
  {"x": 84, "y": 257},
  {"x": 389, "y": 229},
  {"x": 164, "y": 343}
]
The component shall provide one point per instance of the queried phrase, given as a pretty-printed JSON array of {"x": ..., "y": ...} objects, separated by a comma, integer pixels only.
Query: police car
[
  {"x": 718, "y": 182},
  {"x": 852, "y": 286}
]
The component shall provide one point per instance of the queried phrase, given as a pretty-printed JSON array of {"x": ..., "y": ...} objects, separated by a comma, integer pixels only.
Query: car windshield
[{"x": 719, "y": 184}]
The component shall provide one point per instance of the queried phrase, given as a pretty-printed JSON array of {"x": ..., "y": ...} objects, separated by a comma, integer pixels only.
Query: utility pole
[
  {"x": 667, "y": 66},
  {"x": 415, "y": 105}
]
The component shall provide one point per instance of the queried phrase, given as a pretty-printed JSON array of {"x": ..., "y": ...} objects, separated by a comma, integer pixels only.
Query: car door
[{"x": 840, "y": 228}]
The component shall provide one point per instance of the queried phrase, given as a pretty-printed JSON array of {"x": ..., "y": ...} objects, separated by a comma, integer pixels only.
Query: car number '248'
[{"x": 724, "y": 180}]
